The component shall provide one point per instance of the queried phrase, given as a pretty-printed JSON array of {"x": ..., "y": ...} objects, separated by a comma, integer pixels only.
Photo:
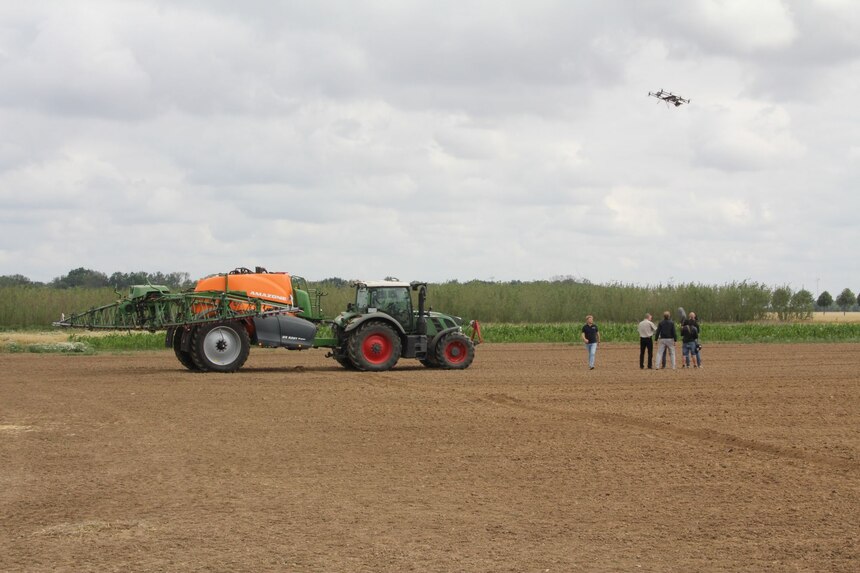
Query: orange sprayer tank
[{"x": 276, "y": 287}]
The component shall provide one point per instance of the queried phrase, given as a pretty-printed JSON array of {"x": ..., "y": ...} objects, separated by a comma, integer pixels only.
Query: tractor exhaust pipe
[{"x": 421, "y": 325}]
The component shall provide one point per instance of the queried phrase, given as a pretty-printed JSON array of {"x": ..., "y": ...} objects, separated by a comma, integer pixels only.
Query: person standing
[
  {"x": 591, "y": 337},
  {"x": 667, "y": 336},
  {"x": 646, "y": 331},
  {"x": 690, "y": 330}
]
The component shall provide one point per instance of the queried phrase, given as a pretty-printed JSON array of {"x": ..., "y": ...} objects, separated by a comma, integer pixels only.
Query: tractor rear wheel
[
  {"x": 374, "y": 346},
  {"x": 455, "y": 351},
  {"x": 184, "y": 356},
  {"x": 345, "y": 362},
  {"x": 220, "y": 347}
]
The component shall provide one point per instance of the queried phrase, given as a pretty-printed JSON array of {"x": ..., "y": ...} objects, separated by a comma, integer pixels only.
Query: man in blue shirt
[{"x": 591, "y": 337}]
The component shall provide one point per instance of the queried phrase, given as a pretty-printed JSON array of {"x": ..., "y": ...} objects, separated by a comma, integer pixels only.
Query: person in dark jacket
[
  {"x": 666, "y": 336},
  {"x": 690, "y": 330},
  {"x": 591, "y": 338}
]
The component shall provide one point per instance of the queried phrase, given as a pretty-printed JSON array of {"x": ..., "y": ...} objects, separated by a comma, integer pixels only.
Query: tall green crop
[{"x": 718, "y": 332}]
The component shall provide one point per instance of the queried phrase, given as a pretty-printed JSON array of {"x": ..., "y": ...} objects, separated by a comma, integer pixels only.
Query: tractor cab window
[
  {"x": 395, "y": 302},
  {"x": 362, "y": 299}
]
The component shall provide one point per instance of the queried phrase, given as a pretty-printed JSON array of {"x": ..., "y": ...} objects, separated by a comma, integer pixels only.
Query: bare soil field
[{"x": 525, "y": 462}]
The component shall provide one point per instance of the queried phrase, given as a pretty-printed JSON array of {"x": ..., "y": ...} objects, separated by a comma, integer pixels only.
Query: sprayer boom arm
[{"x": 159, "y": 310}]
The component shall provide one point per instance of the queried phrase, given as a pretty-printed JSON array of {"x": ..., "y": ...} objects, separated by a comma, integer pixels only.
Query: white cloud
[
  {"x": 635, "y": 214},
  {"x": 747, "y": 26},
  {"x": 434, "y": 141},
  {"x": 74, "y": 62},
  {"x": 747, "y": 136}
]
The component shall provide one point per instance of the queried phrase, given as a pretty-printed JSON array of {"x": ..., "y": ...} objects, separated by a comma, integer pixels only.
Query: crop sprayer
[{"x": 212, "y": 328}]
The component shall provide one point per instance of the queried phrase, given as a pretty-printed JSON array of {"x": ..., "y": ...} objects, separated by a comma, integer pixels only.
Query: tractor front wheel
[
  {"x": 220, "y": 347},
  {"x": 429, "y": 359},
  {"x": 455, "y": 351},
  {"x": 374, "y": 346}
]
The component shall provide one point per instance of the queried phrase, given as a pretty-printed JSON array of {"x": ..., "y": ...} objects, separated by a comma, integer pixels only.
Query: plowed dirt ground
[{"x": 525, "y": 462}]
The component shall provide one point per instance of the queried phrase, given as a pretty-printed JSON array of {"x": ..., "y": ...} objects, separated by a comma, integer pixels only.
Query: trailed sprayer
[{"x": 212, "y": 328}]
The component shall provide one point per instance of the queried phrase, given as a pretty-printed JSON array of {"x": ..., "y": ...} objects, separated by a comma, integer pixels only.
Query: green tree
[
  {"x": 845, "y": 300},
  {"x": 121, "y": 280},
  {"x": 81, "y": 277},
  {"x": 780, "y": 302},
  {"x": 802, "y": 304},
  {"x": 179, "y": 280},
  {"x": 14, "y": 280},
  {"x": 825, "y": 301},
  {"x": 335, "y": 282}
]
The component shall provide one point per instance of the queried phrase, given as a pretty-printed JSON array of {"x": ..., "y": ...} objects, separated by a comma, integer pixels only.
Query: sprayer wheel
[
  {"x": 184, "y": 356},
  {"x": 220, "y": 347}
]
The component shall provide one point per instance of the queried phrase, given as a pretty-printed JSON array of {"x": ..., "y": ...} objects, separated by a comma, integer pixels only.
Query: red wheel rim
[
  {"x": 455, "y": 351},
  {"x": 376, "y": 348}
]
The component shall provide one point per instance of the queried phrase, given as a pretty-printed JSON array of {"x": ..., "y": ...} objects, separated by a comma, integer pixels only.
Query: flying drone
[{"x": 669, "y": 97}]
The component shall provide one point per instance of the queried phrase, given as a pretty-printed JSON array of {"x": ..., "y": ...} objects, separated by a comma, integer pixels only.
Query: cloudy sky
[{"x": 433, "y": 140}]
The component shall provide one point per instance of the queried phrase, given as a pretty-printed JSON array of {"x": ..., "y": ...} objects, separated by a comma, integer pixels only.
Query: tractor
[{"x": 382, "y": 326}]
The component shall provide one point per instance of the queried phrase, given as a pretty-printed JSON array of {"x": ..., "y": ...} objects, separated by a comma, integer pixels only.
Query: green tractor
[{"x": 381, "y": 327}]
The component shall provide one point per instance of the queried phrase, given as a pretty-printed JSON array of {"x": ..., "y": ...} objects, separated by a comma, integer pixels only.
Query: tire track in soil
[
  {"x": 383, "y": 379},
  {"x": 703, "y": 435}
]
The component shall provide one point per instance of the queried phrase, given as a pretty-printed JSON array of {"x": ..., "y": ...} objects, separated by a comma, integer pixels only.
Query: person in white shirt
[{"x": 646, "y": 342}]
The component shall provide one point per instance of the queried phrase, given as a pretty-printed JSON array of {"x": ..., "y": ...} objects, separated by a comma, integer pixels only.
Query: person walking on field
[
  {"x": 591, "y": 337},
  {"x": 667, "y": 336},
  {"x": 690, "y": 330},
  {"x": 646, "y": 331}
]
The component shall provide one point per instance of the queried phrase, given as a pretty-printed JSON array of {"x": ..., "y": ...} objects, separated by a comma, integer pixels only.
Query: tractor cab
[{"x": 390, "y": 297}]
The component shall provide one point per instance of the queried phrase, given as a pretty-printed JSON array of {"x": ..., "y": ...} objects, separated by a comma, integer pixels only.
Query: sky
[{"x": 436, "y": 141}]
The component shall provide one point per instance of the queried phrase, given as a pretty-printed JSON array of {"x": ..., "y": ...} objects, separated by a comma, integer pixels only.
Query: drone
[{"x": 669, "y": 97}]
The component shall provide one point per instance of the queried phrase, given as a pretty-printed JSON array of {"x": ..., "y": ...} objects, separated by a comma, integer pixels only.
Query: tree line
[
  {"x": 845, "y": 301},
  {"x": 787, "y": 304},
  {"x": 88, "y": 278}
]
